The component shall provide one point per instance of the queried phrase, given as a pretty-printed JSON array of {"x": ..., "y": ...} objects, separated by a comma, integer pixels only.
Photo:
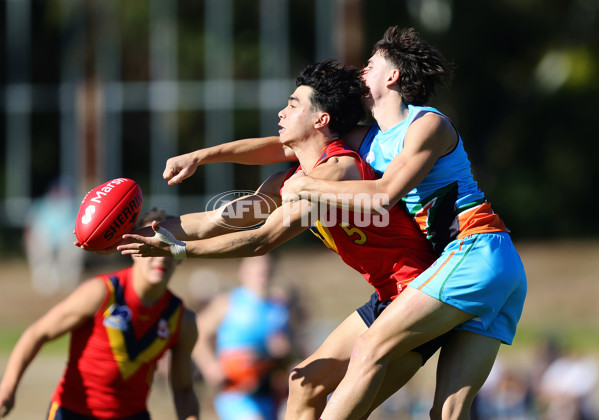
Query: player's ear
[
  {"x": 323, "y": 119},
  {"x": 393, "y": 77}
]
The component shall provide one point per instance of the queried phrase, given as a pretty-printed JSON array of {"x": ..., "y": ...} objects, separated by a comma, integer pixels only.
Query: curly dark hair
[
  {"x": 421, "y": 66},
  {"x": 338, "y": 91}
]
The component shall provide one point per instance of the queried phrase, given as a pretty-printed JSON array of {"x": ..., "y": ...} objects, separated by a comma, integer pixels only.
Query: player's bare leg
[
  {"x": 398, "y": 374},
  {"x": 408, "y": 322},
  {"x": 464, "y": 364},
  {"x": 315, "y": 378}
]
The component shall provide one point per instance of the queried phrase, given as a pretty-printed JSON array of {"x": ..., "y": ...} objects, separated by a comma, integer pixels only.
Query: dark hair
[
  {"x": 338, "y": 91},
  {"x": 153, "y": 214},
  {"x": 420, "y": 65}
]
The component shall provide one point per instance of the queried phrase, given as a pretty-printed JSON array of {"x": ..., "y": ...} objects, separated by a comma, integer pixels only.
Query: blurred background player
[
  {"x": 48, "y": 240},
  {"x": 120, "y": 323},
  {"x": 245, "y": 344}
]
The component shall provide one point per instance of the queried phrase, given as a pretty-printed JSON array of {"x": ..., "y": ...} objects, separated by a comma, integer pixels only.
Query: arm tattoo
[{"x": 250, "y": 239}]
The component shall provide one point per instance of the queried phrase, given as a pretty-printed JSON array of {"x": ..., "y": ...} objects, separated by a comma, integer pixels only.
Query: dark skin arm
[{"x": 181, "y": 370}]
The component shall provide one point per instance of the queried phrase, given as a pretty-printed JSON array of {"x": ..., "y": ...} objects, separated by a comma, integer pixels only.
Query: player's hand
[
  {"x": 292, "y": 187},
  {"x": 145, "y": 246},
  {"x": 106, "y": 251},
  {"x": 7, "y": 402},
  {"x": 179, "y": 168}
]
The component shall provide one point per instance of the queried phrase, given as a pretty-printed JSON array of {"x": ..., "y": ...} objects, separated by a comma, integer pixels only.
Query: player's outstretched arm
[
  {"x": 229, "y": 242},
  {"x": 62, "y": 318},
  {"x": 429, "y": 138},
  {"x": 253, "y": 151},
  {"x": 181, "y": 370},
  {"x": 243, "y": 212},
  {"x": 283, "y": 224}
]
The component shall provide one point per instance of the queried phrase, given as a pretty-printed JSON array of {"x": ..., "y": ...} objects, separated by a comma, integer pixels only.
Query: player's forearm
[
  {"x": 23, "y": 353},
  {"x": 252, "y": 151},
  {"x": 364, "y": 196},
  {"x": 281, "y": 226},
  {"x": 233, "y": 245},
  {"x": 208, "y": 364},
  {"x": 186, "y": 404},
  {"x": 244, "y": 212},
  {"x": 205, "y": 351},
  {"x": 195, "y": 226}
]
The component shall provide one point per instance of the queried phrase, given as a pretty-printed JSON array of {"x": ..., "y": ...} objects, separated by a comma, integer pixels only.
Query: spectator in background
[
  {"x": 506, "y": 395},
  {"x": 566, "y": 388},
  {"x": 48, "y": 239},
  {"x": 244, "y": 340},
  {"x": 547, "y": 351}
]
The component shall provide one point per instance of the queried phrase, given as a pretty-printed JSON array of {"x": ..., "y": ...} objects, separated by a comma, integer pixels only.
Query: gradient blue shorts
[{"x": 482, "y": 275}]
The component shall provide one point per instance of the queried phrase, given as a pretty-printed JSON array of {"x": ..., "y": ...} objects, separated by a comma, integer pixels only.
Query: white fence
[{"x": 91, "y": 110}]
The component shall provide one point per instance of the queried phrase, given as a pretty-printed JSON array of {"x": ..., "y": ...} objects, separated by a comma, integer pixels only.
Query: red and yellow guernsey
[
  {"x": 112, "y": 357},
  {"x": 389, "y": 254}
]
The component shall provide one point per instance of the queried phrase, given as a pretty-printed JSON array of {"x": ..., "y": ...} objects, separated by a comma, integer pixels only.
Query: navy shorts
[
  {"x": 57, "y": 412},
  {"x": 374, "y": 307}
]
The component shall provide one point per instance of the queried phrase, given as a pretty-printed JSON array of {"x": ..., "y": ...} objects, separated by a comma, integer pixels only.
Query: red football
[{"x": 107, "y": 212}]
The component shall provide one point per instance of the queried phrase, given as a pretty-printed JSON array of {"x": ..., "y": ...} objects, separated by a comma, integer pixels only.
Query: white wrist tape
[{"x": 177, "y": 246}]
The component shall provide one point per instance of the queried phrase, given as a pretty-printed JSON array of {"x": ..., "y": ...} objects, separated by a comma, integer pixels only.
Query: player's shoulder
[
  {"x": 87, "y": 298},
  {"x": 338, "y": 168},
  {"x": 433, "y": 122},
  {"x": 92, "y": 286},
  {"x": 434, "y": 129}
]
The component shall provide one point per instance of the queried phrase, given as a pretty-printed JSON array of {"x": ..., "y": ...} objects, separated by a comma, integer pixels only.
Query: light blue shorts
[
  {"x": 482, "y": 275},
  {"x": 233, "y": 405}
]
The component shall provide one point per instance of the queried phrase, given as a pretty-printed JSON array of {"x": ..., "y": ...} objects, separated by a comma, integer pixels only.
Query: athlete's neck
[
  {"x": 389, "y": 111},
  {"x": 308, "y": 152},
  {"x": 147, "y": 292}
]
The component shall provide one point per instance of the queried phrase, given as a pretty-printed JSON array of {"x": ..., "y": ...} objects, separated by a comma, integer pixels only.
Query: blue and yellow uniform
[
  {"x": 479, "y": 270},
  {"x": 242, "y": 350},
  {"x": 112, "y": 357}
]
